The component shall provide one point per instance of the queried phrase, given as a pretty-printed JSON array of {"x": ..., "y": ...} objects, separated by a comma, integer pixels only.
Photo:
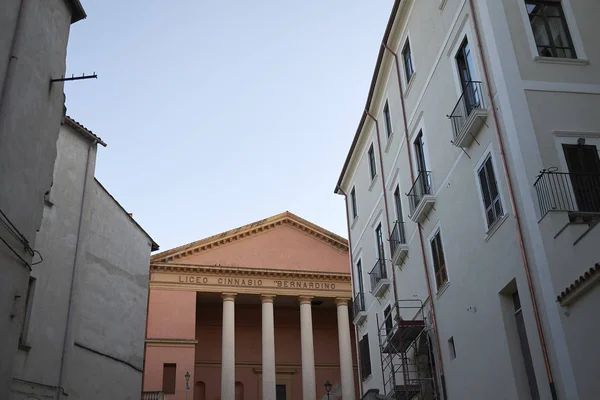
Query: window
[
  {"x": 439, "y": 261},
  {"x": 365, "y": 357},
  {"x": 550, "y": 30},
  {"x": 372, "y": 166},
  {"x": 583, "y": 163},
  {"x": 388, "y": 119},
  {"x": 281, "y": 392},
  {"x": 27, "y": 314},
  {"x": 466, "y": 74},
  {"x": 360, "y": 277},
  {"x": 420, "y": 153},
  {"x": 389, "y": 324},
  {"x": 353, "y": 203},
  {"x": 398, "y": 204},
  {"x": 408, "y": 63},
  {"x": 489, "y": 192},
  {"x": 451, "y": 348},
  {"x": 533, "y": 389},
  {"x": 169, "y": 375},
  {"x": 379, "y": 239}
]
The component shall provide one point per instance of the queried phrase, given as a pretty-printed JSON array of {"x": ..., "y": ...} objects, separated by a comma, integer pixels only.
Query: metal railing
[
  {"x": 359, "y": 303},
  {"x": 153, "y": 396},
  {"x": 398, "y": 236},
  {"x": 562, "y": 191},
  {"x": 469, "y": 100},
  {"x": 378, "y": 273},
  {"x": 420, "y": 188}
]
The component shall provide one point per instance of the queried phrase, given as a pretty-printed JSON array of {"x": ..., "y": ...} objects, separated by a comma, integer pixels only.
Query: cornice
[
  {"x": 243, "y": 271},
  {"x": 228, "y": 237},
  {"x": 156, "y": 342}
]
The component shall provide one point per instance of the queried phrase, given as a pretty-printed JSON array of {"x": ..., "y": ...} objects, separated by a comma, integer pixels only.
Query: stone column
[
  {"x": 268, "y": 348},
  {"x": 309, "y": 389},
  {"x": 346, "y": 367},
  {"x": 228, "y": 348}
]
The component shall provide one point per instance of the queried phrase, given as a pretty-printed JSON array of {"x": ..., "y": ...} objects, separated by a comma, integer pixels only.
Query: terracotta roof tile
[{"x": 578, "y": 282}]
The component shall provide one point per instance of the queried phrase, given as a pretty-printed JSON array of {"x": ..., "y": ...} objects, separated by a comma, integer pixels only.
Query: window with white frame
[
  {"x": 550, "y": 29},
  {"x": 353, "y": 205},
  {"x": 489, "y": 192},
  {"x": 372, "y": 165},
  {"x": 409, "y": 69},
  {"x": 388, "y": 119},
  {"x": 439, "y": 260}
]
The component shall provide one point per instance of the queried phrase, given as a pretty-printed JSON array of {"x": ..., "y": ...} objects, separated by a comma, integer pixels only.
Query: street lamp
[
  {"x": 187, "y": 383},
  {"x": 327, "y": 388}
]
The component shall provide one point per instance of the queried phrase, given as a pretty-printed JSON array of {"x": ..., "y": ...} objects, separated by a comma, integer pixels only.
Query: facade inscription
[{"x": 258, "y": 283}]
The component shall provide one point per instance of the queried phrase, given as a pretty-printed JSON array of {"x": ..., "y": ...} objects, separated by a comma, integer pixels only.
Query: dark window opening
[
  {"x": 169, "y": 378},
  {"x": 439, "y": 261},
  {"x": 372, "y": 165},
  {"x": 489, "y": 192},
  {"x": 388, "y": 119},
  {"x": 409, "y": 69},
  {"x": 365, "y": 357},
  {"x": 353, "y": 203},
  {"x": 550, "y": 29},
  {"x": 533, "y": 388}
]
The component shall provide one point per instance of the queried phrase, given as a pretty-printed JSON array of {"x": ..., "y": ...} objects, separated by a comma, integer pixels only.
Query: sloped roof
[
  {"x": 83, "y": 130},
  {"x": 285, "y": 218},
  {"x": 580, "y": 283}
]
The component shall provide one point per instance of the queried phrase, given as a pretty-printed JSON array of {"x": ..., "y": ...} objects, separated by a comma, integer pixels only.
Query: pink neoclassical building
[{"x": 257, "y": 312}]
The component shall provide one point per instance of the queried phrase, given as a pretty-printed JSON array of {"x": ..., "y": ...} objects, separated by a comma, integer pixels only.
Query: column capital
[
  {"x": 266, "y": 298},
  {"x": 228, "y": 296},
  {"x": 342, "y": 301},
  {"x": 305, "y": 299}
]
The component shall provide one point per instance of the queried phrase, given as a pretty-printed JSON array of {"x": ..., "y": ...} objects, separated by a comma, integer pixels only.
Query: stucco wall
[{"x": 30, "y": 117}]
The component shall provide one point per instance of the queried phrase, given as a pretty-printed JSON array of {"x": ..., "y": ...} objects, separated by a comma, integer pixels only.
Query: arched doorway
[{"x": 199, "y": 391}]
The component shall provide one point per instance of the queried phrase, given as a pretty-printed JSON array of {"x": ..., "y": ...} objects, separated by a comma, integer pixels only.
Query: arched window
[
  {"x": 239, "y": 391},
  {"x": 199, "y": 391}
]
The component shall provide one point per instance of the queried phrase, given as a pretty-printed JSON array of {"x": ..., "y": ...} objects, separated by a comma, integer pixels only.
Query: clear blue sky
[{"x": 219, "y": 113}]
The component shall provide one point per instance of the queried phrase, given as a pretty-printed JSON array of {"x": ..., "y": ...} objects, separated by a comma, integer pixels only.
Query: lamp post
[
  {"x": 187, "y": 383},
  {"x": 327, "y": 388}
]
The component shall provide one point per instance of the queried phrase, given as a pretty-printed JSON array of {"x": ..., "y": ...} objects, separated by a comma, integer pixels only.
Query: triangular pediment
[{"x": 283, "y": 241}]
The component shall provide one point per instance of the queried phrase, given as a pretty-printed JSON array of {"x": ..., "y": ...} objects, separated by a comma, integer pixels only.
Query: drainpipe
[
  {"x": 12, "y": 60},
  {"x": 352, "y": 281},
  {"x": 68, "y": 328},
  {"x": 387, "y": 216},
  {"x": 515, "y": 211},
  {"x": 419, "y": 227}
]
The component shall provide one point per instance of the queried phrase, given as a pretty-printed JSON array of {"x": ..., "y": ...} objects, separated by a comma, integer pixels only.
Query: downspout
[
  {"x": 387, "y": 216},
  {"x": 73, "y": 272},
  {"x": 12, "y": 58},
  {"x": 419, "y": 227},
  {"x": 360, "y": 389},
  {"x": 515, "y": 211}
]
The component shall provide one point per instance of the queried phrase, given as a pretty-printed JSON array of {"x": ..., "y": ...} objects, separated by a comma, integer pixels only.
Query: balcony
[
  {"x": 379, "y": 278},
  {"x": 153, "y": 396},
  {"x": 360, "y": 313},
  {"x": 398, "y": 243},
  {"x": 577, "y": 194},
  {"x": 421, "y": 198},
  {"x": 469, "y": 115}
]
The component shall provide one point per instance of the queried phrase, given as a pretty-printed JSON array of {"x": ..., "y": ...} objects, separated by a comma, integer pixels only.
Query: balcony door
[
  {"x": 380, "y": 248},
  {"x": 584, "y": 169},
  {"x": 466, "y": 73},
  {"x": 422, "y": 175}
]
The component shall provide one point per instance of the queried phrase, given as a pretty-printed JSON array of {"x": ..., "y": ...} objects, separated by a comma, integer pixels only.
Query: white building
[
  {"x": 84, "y": 324},
  {"x": 489, "y": 262}
]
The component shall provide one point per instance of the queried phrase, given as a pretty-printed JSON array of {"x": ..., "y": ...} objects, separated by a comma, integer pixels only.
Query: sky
[{"x": 221, "y": 113}]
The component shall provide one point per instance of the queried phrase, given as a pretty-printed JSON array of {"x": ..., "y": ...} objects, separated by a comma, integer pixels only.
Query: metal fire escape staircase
[{"x": 407, "y": 359}]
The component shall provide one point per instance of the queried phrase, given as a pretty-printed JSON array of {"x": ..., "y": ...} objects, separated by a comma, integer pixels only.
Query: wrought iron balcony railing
[
  {"x": 562, "y": 191},
  {"x": 398, "y": 236},
  {"x": 471, "y": 99},
  {"x": 153, "y": 396},
  {"x": 420, "y": 188},
  {"x": 378, "y": 273},
  {"x": 359, "y": 303}
]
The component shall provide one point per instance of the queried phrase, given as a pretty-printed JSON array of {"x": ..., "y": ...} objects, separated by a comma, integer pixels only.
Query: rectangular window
[
  {"x": 372, "y": 165},
  {"x": 408, "y": 63},
  {"x": 389, "y": 323},
  {"x": 359, "y": 274},
  {"x": 533, "y": 389},
  {"x": 353, "y": 203},
  {"x": 27, "y": 314},
  {"x": 439, "y": 261},
  {"x": 379, "y": 239},
  {"x": 398, "y": 204},
  {"x": 365, "y": 357},
  {"x": 550, "y": 30},
  {"x": 169, "y": 377},
  {"x": 489, "y": 192},
  {"x": 420, "y": 153},
  {"x": 388, "y": 119},
  {"x": 280, "y": 392},
  {"x": 466, "y": 73}
]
